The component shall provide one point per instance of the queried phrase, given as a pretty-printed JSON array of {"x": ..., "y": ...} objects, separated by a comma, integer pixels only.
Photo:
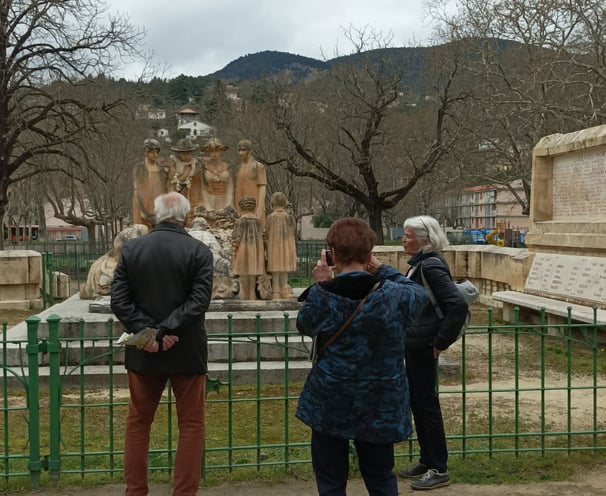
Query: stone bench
[{"x": 556, "y": 283}]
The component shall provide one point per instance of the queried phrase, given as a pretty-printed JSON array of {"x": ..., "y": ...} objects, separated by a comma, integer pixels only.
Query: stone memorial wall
[{"x": 568, "y": 203}]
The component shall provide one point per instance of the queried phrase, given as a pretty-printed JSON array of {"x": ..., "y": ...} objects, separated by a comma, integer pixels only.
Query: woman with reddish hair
[{"x": 354, "y": 390}]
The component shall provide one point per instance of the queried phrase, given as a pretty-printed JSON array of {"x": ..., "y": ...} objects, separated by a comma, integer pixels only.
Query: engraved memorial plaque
[
  {"x": 578, "y": 184},
  {"x": 569, "y": 278}
]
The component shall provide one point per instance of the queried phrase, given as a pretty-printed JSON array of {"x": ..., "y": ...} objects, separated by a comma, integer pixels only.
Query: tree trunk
[
  {"x": 3, "y": 204},
  {"x": 375, "y": 221}
]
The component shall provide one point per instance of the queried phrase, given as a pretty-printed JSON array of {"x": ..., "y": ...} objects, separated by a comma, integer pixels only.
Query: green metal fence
[{"x": 504, "y": 389}]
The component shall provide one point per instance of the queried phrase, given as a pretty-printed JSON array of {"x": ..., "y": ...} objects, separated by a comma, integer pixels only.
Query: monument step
[
  {"x": 101, "y": 352},
  {"x": 269, "y": 316},
  {"x": 270, "y": 372},
  {"x": 98, "y": 376}
]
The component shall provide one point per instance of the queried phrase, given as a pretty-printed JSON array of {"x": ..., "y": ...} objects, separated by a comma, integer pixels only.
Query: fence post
[
  {"x": 33, "y": 402},
  {"x": 44, "y": 280},
  {"x": 54, "y": 384},
  {"x": 51, "y": 286}
]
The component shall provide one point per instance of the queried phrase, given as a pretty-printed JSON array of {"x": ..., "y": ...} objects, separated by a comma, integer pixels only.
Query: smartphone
[{"x": 329, "y": 260}]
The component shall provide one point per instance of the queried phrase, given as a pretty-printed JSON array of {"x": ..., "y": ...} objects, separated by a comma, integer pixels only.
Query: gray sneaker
[
  {"x": 414, "y": 471},
  {"x": 432, "y": 479}
]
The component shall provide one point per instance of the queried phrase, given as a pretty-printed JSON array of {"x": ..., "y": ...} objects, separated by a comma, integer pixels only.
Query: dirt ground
[{"x": 588, "y": 484}]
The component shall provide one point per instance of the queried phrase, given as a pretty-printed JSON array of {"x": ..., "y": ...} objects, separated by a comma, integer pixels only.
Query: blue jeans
[{"x": 330, "y": 460}]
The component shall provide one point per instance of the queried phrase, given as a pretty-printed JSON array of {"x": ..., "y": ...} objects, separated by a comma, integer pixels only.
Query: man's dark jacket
[{"x": 164, "y": 280}]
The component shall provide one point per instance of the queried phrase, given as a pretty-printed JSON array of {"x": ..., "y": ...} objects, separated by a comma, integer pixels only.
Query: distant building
[
  {"x": 482, "y": 207},
  {"x": 146, "y": 111},
  {"x": 185, "y": 115},
  {"x": 57, "y": 228},
  {"x": 232, "y": 92},
  {"x": 196, "y": 128}
]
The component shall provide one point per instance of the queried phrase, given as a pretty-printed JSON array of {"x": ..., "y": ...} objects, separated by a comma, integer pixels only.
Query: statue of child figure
[
  {"x": 249, "y": 249},
  {"x": 281, "y": 230}
]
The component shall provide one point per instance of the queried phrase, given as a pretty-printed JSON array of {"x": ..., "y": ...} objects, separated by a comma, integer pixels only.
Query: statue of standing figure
[
  {"x": 184, "y": 174},
  {"x": 281, "y": 231},
  {"x": 149, "y": 181},
  {"x": 218, "y": 191},
  {"x": 249, "y": 248},
  {"x": 251, "y": 180}
]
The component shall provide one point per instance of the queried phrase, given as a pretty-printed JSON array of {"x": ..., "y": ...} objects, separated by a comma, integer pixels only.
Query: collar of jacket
[
  {"x": 170, "y": 226},
  {"x": 419, "y": 257}
]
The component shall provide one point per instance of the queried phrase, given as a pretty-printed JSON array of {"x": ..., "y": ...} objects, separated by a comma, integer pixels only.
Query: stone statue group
[{"x": 253, "y": 253}]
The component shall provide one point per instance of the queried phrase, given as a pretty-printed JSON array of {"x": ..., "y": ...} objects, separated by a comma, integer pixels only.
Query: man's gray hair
[
  {"x": 171, "y": 206},
  {"x": 428, "y": 232}
]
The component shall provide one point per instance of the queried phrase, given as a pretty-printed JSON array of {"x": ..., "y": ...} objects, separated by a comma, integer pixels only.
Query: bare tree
[
  {"x": 48, "y": 48},
  {"x": 539, "y": 68},
  {"x": 357, "y": 132},
  {"x": 95, "y": 192}
]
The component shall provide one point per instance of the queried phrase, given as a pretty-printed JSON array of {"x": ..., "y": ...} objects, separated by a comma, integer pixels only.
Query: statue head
[
  {"x": 214, "y": 145},
  {"x": 184, "y": 145},
  {"x": 199, "y": 224},
  {"x": 129, "y": 233},
  {"x": 278, "y": 200},
  {"x": 244, "y": 145},
  {"x": 151, "y": 144},
  {"x": 247, "y": 203}
]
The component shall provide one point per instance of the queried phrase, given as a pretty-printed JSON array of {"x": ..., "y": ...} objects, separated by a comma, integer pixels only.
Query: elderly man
[{"x": 162, "y": 286}]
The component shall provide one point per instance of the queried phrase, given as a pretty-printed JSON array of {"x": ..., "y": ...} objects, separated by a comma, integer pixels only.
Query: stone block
[
  {"x": 61, "y": 285},
  {"x": 14, "y": 305},
  {"x": 392, "y": 255},
  {"x": 35, "y": 269},
  {"x": 459, "y": 269},
  {"x": 13, "y": 292},
  {"x": 31, "y": 292},
  {"x": 474, "y": 264},
  {"x": 14, "y": 267}
]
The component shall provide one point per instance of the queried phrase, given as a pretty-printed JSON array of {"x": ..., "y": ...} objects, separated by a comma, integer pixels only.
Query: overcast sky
[{"x": 199, "y": 37}]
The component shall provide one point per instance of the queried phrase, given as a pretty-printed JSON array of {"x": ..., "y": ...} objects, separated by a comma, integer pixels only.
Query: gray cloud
[{"x": 196, "y": 37}]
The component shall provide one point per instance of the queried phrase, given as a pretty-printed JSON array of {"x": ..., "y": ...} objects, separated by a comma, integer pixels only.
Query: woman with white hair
[{"x": 427, "y": 336}]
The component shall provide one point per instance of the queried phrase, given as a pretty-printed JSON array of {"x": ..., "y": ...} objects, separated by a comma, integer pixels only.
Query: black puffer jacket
[{"x": 427, "y": 329}]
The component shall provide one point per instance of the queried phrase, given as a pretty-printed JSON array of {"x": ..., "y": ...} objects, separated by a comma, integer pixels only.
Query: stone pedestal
[{"x": 20, "y": 279}]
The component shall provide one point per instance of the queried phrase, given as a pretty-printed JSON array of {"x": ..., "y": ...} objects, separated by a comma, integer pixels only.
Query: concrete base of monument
[
  {"x": 102, "y": 305},
  {"x": 92, "y": 318},
  {"x": 239, "y": 356}
]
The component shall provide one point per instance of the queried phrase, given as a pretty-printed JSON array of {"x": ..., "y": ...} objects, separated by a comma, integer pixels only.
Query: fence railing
[{"x": 504, "y": 389}]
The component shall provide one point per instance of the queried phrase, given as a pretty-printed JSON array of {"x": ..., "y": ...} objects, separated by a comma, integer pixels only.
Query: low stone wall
[
  {"x": 491, "y": 268},
  {"x": 20, "y": 279}
]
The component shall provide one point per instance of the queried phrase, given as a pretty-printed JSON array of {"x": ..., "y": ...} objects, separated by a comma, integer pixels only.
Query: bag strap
[
  {"x": 348, "y": 321},
  {"x": 430, "y": 294}
]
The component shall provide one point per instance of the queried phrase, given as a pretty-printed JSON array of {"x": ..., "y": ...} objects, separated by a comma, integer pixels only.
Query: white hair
[
  {"x": 171, "y": 206},
  {"x": 428, "y": 232}
]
